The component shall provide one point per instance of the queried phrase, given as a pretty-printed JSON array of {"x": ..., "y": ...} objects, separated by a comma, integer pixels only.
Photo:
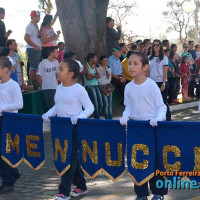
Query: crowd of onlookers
[{"x": 172, "y": 72}]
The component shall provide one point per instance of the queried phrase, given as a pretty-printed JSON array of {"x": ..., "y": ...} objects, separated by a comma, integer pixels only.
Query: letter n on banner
[
  {"x": 61, "y": 132},
  {"x": 90, "y": 147},
  {"x": 179, "y": 147},
  {"x": 114, "y": 141},
  {"x": 140, "y": 151},
  {"x": 33, "y": 140}
]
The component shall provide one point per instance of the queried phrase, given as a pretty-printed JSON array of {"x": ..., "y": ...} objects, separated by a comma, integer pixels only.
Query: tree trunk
[{"x": 83, "y": 25}]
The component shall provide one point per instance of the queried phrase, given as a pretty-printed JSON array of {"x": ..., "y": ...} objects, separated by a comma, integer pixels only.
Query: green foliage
[{"x": 46, "y": 6}]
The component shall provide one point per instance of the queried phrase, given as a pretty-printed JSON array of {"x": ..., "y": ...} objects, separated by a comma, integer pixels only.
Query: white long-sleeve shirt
[
  {"x": 10, "y": 97},
  {"x": 70, "y": 100},
  {"x": 144, "y": 101}
]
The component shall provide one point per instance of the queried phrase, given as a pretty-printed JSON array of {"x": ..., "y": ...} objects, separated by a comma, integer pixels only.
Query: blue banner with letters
[
  {"x": 140, "y": 151},
  {"x": 22, "y": 139},
  {"x": 61, "y": 132},
  {"x": 179, "y": 149},
  {"x": 102, "y": 145}
]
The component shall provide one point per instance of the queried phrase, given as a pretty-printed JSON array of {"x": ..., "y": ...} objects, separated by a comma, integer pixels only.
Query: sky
[{"x": 147, "y": 20}]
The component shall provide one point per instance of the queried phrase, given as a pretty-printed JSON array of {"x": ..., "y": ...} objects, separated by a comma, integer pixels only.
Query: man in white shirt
[
  {"x": 34, "y": 45},
  {"x": 46, "y": 76}
]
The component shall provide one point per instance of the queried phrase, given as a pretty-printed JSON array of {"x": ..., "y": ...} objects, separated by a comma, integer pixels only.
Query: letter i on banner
[
  {"x": 61, "y": 132},
  {"x": 90, "y": 147},
  {"x": 34, "y": 141},
  {"x": 12, "y": 143},
  {"x": 140, "y": 151}
]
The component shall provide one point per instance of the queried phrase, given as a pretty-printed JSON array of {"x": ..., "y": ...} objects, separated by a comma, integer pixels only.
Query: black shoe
[
  {"x": 6, "y": 188},
  {"x": 17, "y": 176}
]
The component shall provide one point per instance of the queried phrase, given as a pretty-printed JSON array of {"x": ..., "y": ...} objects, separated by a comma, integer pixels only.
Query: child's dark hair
[
  {"x": 161, "y": 52},
  {"x": 149, "y": 50},
  {"x": 171, "y": 55},
  {"x": 166, "y": 50},
  {"x": 5, "y": 63},
  {"x": 59, "y": 43},
  {"x": 172, "y": 46},
  {"x": 72, "y": 66},
  {"x": 89, "y": 56},
  {"x": 101, "y": 58},
  {"x": 51, "y": 50},
  {"x": 9, "y": 42},
  {"x": 183, "y": 59},
  {"x": 143, "y": 57},
  {"x": 129, "y": 53},
  {"x": 5, "y": 52}
]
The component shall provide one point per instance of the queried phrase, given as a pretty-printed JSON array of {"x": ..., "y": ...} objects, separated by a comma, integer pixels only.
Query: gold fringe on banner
[
  {"x": 63, "y": 171},
  {"x": 31, "y": 166},
  {"x": 10, "y": 164},
  {"x": 111, "y": 177},
  {"x": 143, "y": 181},
  {"x": 94, "y": 175}
]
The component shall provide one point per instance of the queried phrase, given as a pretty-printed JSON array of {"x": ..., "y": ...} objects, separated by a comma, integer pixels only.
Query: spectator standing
[
  {"x": 49, "y": 37},
  {"x": 91, "y": 84},
  {"x": 147, "y": 43},
  {"x": 34, "y": 45},
  {"x": 158, "y": 66},
  {"x": 116, "y": 70},
  {"x": 126, "y": 73},
  {"x": 105, "y": 78},
  {"x": 3, "y": 35},
  {"x": 124, "y": 49},
  {"x": 46, "y": 77},
  {"x": 61, "y": 51},
  {"x": 173, "y": 49},
  {"x": 112, "y": 36},
  {"x": 185, "y": 74},
  {"x": 12, "y": 45},
  {"x": 165, "y": 44},
  {"x": 176, "y": 78}
]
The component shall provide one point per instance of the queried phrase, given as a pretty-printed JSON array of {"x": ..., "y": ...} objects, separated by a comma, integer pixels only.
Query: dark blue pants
[
  {"x": 164, "y": 96},
  {"x": 74, "y": 174},
  {"x": 143, "y": 191},
  {"x": 7, "y": 173}
]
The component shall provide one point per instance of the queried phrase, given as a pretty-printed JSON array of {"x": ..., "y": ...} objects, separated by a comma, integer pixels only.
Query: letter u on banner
[
  {"x": 61, "y": 132},
  {"x": 140, "y": 151},
  {"x": 102, "y": 146},
  {"x": 34, "y": 141}
]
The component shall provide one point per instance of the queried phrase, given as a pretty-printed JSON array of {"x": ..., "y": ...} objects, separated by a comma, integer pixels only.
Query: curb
[{"x": 183, "y": 106}]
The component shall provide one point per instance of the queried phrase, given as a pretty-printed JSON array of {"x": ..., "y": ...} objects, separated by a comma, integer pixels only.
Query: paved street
[{"x": 43, "y": 184}]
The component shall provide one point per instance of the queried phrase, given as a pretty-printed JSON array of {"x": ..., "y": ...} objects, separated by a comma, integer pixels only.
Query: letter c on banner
[
  {"x": 86, "y": 149},
  {"x": 177, "y": 165},
  {"x": 114, "y": 163},
  {"x": 31, "y": 146},
  {"x": 136, "y": 164},
  {"x": 14, "y": 144},
  {"x": 197, "y": 158}
]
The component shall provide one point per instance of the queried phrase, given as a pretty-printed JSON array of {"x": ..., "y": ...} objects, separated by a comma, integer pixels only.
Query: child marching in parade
[
  {"x": 143, "y": 101},
  {"x": 70, "y": 97},
  {"x": 10, "y": 101}
]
